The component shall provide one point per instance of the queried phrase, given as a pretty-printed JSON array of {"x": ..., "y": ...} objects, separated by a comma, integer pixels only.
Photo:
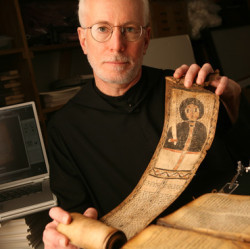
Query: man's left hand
[{"x": 227, "y": 89}]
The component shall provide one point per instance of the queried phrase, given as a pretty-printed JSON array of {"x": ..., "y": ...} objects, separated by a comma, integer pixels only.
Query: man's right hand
[{"x": 52, "y": 238}]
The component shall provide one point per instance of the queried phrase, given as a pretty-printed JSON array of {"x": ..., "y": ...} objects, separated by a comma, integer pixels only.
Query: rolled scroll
[{"x": 89, "y": 233}]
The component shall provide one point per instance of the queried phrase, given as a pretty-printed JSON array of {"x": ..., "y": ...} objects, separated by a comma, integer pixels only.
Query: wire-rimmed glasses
[{"x": 102, "y": 32}]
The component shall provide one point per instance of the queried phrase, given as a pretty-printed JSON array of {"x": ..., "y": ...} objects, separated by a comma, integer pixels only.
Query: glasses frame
[{"x": 112, "y": 30}]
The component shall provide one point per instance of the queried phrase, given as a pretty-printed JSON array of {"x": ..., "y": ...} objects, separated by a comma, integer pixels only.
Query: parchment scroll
[
  {"x": 188, "y": 132},
  {"x": 189, "y": 128}
]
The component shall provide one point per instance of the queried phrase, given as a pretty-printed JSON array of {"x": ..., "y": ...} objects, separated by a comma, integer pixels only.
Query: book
[
  {"x": 11, "y": 100},
  {"x": 58, "y": 97},
  {"x": 14, "y": 234},
  {"x": 9, "y": 84},
  {"x": 9, "y": 97},
  {"x": 211, "y": 221},
  {"x": 24, "y": 233},
  {"x": 10, "y": 91},
  {"x": 61, "y": 91},
  {"x": 9, "y": 75}
]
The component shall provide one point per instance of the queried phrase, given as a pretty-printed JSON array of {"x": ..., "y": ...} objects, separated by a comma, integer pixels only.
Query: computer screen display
[{"x": 21, "y": 154}]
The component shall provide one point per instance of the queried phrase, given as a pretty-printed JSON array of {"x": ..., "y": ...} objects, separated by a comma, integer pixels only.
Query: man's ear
[
  {"x": 146, "y": 39},
  {"x": 82, "y": 38}
]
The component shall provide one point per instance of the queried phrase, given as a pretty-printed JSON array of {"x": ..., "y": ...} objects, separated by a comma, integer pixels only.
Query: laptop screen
[{"x": 21, "y": 154}]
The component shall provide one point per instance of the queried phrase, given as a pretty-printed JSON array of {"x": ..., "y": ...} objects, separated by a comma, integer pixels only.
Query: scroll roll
[{"x": 89, "y": 233}]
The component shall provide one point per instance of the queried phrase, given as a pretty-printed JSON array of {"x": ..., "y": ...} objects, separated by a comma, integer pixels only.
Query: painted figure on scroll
[
  {"x": 191, "y": 134},
  {"x": 102, "y": 140}
]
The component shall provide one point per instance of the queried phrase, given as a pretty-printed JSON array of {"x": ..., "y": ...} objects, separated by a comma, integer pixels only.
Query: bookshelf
[{"x": 30, "y": 60}]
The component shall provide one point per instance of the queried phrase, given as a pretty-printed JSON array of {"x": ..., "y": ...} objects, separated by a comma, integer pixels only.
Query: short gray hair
[{"x": 146, "y": 11}]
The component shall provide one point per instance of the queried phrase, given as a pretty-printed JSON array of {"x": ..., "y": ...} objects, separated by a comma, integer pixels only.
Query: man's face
[{"x": 116, "y": 60}]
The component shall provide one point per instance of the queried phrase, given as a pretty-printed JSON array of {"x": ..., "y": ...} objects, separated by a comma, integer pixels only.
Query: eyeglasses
[{"x": 102, "y": 32}]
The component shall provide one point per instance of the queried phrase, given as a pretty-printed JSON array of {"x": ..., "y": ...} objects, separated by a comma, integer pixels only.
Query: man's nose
[{"x": 117, "y": 40}]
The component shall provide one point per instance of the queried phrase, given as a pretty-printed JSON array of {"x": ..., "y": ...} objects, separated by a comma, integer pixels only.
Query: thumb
[{"x": 91, "y": 213}]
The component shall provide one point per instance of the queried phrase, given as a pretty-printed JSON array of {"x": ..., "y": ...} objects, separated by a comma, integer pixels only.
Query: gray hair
[{"x": 146, "y": 11}]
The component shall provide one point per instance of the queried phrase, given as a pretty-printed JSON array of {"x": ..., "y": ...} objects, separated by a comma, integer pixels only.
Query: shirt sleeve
[{"x": 238, "y": 134}]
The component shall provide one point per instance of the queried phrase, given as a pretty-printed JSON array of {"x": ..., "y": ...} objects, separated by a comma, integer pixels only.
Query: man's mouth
[{"x": 117, "y": 62}]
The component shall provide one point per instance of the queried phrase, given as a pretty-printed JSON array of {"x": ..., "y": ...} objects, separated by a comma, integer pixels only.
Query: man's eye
[
  {"x": 102, "y": 29},
  {"x": 131, "y": 29}
]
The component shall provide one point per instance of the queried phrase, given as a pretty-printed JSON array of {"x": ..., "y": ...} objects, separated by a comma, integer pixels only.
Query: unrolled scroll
[{"x": 188, "y": 132}]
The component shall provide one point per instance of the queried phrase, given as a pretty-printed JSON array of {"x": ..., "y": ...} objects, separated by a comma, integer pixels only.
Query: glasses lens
[
  {"x": 132, "y": 32},
  {"x": 101, "y": 32}
]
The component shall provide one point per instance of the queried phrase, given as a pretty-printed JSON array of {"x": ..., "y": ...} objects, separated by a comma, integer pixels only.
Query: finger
[
  {"x": 205, "y": 70},
  {"x": 91, "y": 213},
  {"x": 60, "y": 215},
  {"x": 181, "y": 71},
  {"x": 190, "y": 75},
  {"x": 220, "y": 85},
  {"x": 54, "y": 239}
]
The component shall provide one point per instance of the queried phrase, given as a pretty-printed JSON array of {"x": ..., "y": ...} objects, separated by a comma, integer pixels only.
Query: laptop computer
[{"x": 24, "y": 169}]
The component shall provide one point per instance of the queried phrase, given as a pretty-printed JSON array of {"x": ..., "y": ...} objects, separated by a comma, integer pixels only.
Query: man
[{"x": 103, "y": 139}]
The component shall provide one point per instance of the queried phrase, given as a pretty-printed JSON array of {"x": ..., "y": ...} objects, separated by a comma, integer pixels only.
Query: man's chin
[
  {"x": 116, "y": 77},
  {"x": 117, "y": 80}
]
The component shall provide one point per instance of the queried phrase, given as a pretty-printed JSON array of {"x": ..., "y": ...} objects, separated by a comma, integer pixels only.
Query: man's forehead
[{"x": 114, "y": 11}]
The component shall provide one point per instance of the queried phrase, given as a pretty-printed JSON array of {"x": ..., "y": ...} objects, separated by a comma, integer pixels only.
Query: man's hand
[
  {"x": 227, "y": 89},
  {"x": 51, "y": 237}
]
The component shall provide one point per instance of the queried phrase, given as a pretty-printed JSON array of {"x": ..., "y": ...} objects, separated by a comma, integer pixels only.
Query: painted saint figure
[{"x": 190, "y": 134}]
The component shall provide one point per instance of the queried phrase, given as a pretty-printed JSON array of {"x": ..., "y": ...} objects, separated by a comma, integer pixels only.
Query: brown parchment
[
  {"x": 188, "y": 131},
  {"x": 220, "y": 215},
  {"x": 176, "y": 159},
  {"x": 158, "y": 237}
]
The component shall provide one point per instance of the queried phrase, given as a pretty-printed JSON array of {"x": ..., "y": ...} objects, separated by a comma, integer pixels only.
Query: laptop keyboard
[{"x": 20, "y": 191}]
